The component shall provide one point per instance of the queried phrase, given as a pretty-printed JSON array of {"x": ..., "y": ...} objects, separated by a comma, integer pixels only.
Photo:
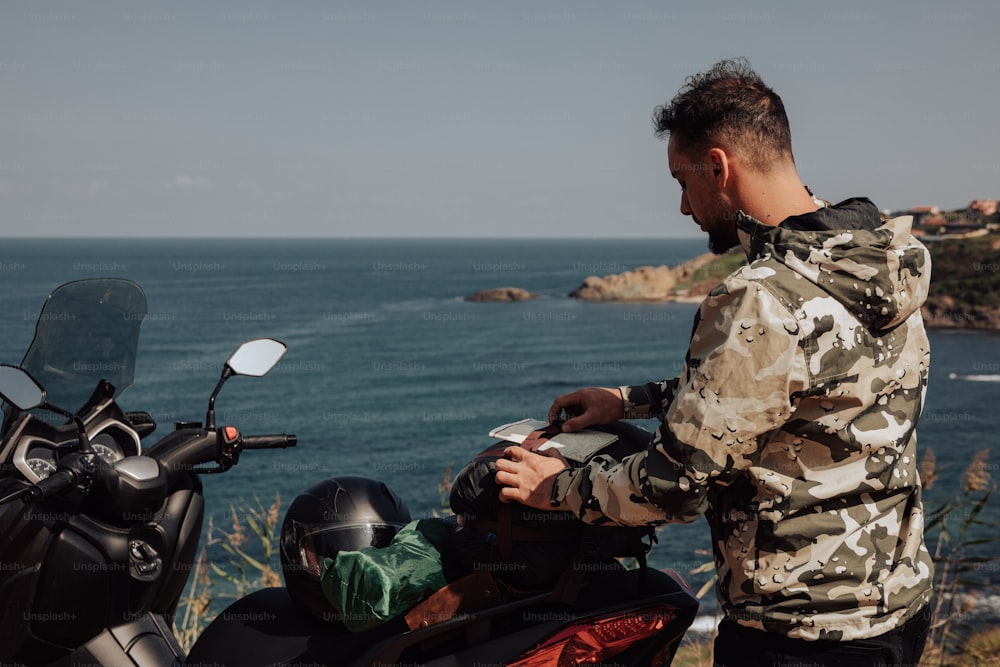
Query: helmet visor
[{"x": 314, "y": 543}]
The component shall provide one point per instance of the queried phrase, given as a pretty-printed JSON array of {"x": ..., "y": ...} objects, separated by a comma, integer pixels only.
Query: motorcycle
[{"x": 100, "y": 535}]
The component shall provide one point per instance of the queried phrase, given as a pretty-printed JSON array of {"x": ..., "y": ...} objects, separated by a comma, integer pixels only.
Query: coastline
[{"x": 964, "y": 289}]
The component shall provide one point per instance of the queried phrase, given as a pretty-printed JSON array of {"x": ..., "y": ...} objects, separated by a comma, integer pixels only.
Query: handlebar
[
  {"x": 193, "y": 448},
  {"x": 184, "y": 450},
  {"x": 275, "y": 441},
  {"x": 75, "y": 469},
  {"x": 52, "y": 484}
]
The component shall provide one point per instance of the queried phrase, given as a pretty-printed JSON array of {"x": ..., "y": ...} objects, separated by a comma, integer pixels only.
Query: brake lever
[
  {"x": 230, "y": 447},
  {"x": 22, "y": 489}
]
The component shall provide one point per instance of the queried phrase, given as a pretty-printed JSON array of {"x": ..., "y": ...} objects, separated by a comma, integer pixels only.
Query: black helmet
[{"x": 337, "y": 514}]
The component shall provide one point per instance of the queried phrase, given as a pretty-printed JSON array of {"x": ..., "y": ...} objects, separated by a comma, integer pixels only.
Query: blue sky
[{"x": 463, "y": 119}]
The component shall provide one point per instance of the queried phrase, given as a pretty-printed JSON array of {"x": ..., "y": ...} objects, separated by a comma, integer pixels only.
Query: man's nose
[{"x": 685, "y": 207}]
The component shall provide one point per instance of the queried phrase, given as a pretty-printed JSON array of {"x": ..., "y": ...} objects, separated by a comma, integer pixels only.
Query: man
[{"x": 791, "y": 426}]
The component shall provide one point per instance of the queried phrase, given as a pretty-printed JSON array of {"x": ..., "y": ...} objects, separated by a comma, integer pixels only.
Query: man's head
[
  {"x": 727, "y": 129},
  {"x": 730, "y": 106}
]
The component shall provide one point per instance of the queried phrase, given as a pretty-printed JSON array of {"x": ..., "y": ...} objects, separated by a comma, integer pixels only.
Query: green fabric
[{"x": 371, "y": 586}]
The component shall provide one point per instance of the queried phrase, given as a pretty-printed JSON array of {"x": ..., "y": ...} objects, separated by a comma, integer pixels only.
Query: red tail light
[{"x": 593, "y": 640}]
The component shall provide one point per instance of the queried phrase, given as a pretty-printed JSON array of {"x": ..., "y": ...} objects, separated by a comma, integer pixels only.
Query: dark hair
[{"x": 728, "y": 105}]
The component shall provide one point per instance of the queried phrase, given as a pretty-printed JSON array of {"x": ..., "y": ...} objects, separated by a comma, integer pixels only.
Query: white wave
[
  {"x": 974, "y": 378},
  {"x": 703, "y": 625}
]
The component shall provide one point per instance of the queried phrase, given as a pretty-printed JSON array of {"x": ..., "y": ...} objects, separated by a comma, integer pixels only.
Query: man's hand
[
  {"x": 528, "y": 477},
  {"x": 593, "y": 405}
]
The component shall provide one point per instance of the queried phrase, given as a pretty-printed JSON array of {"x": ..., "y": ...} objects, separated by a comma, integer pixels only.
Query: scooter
[{"x": 100, "y": 536}]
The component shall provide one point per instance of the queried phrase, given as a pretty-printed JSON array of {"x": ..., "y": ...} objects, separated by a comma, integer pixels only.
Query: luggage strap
[
  {"x": 471, "y": 593},
  {"x": 569, "y": 584},
  {"x": 503, "y": 528},
  {"x": 506, "y": 532},
  {"x": 539, "y": 437}
]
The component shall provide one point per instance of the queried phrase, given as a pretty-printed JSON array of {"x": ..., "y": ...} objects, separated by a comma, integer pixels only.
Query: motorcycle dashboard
[{"x": 36, "y": 456}]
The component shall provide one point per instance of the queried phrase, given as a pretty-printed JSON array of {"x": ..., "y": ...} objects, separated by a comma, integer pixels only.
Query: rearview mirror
[
  {"x": 18, "y": 388},
  {"x": 256, "y": 357}
]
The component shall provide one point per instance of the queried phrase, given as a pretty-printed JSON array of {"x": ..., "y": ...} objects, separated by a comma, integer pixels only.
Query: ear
[{"x": 719, "y": 161}]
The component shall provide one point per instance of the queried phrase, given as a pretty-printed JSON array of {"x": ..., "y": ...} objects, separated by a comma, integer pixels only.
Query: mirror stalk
[
  {"x": 227, "y": 373},
  {"x": 85, "y": 447},
  {"x": 21, "y": 390}
]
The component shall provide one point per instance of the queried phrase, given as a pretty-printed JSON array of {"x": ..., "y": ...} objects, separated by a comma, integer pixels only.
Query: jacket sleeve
[
  {"x": 644, "y": 401},
  {"x": 743, "y": 366}
]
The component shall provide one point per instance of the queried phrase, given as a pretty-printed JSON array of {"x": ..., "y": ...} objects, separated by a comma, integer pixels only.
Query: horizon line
[{"x": 352, "y": 238}]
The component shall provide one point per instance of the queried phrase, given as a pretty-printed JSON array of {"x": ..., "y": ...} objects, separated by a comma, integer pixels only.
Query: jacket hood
[{"x": 874, "y": 267}]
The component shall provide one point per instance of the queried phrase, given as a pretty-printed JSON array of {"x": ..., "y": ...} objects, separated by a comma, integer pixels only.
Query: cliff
[
  {"x": 690, "y": 280},
  {"x": 965, "y": 284}
]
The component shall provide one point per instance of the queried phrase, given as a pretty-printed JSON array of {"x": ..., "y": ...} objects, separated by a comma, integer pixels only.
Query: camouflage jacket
[{"x": 791, "y": 427}]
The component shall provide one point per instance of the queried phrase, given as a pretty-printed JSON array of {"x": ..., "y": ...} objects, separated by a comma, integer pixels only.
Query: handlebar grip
[
  {"x": 276, "y": 441},
  {"x": 54, "y": 483}
]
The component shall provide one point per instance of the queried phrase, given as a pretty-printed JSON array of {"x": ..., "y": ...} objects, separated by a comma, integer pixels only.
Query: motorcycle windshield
[{"x": 88, "y": 330}]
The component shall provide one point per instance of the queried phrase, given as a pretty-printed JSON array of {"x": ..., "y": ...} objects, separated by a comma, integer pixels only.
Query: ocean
[{"x": 390, "y": 373}]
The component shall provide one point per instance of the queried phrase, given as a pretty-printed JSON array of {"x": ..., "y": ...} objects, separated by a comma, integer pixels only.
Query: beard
[
  {"x": 720, "y": 225},
  {"x": 723, "y": 238}
]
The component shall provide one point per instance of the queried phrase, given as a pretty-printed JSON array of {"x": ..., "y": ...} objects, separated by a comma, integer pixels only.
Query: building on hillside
[
  {"x": 984, "y": 207},
  {"x": 921, "y": 213}
]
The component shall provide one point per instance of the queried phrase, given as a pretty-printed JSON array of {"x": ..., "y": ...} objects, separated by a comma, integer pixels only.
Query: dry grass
[{"x": 251, "y": 545}]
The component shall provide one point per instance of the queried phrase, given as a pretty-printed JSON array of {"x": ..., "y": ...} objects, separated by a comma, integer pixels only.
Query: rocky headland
[
  {"x": 690, "y": 280},
  {"x": 502, "y": 294}
]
